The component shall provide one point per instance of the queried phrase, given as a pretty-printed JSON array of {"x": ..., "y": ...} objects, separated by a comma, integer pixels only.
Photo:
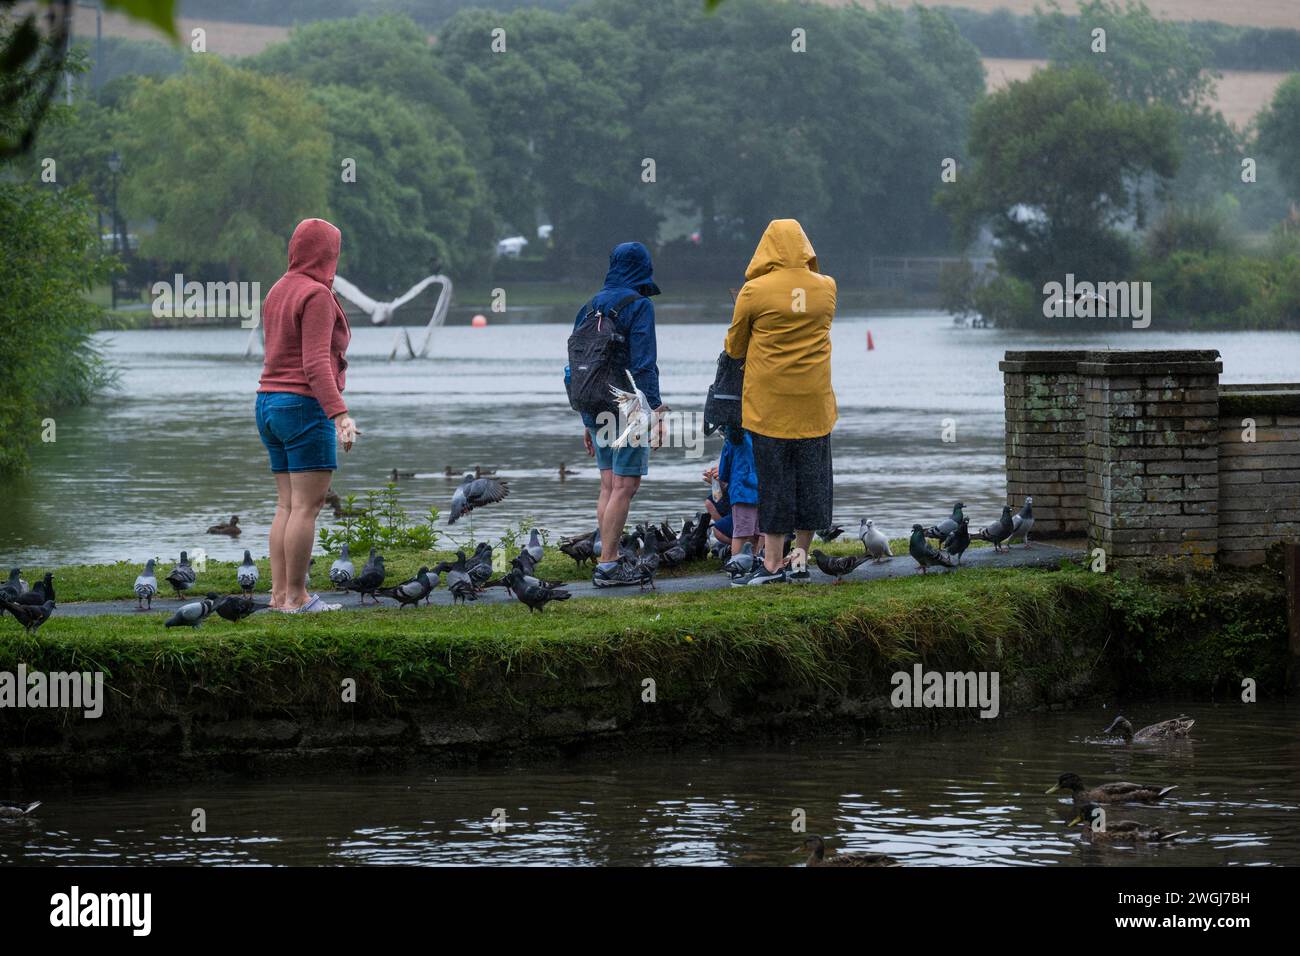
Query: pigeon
[
  {"x": 246, "y": 574},
  {"x": 306, "y": 575},
  {"x": 479, "y": 566},
  {"x": 527, "y": 566},
  {"x": 181, "y": 577},
  {"x": 673, "y": 555},
  {"x": 957, "y": 542},
  {"x": 837, "y": 567},
  {"x": 146, "y": 586},
  {"x": 192, "y": 614},
  {"x": 947, "y": 526},
  {"x": 830, "y": 534},
  {"x": 41, "y": 592},
  {"x": 30, "y": 616},
  {"x": 647, "y": 557},
  {"x": 534, "y": 545},
  {"x": 742, "y": 563},
  {"x": 1000, "y": 530},
  {"x": 14, "y": 586},
  {"x": 874, "y": 543},
  {"x": 8, "y": 809},
  {"x": 924, "y": 552},
  {"x": 459, "y": 583},
  {"x": 370, "y": 579},
  {"x": 633, "y": 408},
  {"x": 234, "y": 608},
  {"x": 534, "y": 595},
  {"x": 1022, "y": 523},
  {"x": 342, "y": 570},
  {"x": 410, "y": 592},
  {"x": 697, "y": 544},
  {"x": 581, "y": 549},
  {"x": 475, "y": 493}
]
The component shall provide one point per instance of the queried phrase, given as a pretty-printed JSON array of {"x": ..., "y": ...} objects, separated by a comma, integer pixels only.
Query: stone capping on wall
[{"x": 1260, "y": 399}]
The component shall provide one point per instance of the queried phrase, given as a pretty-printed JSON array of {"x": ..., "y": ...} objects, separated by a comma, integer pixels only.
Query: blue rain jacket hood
[{"x": 631, "y": 272}]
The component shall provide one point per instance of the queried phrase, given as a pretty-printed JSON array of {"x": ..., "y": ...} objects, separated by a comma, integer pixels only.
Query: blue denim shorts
[
  {"x": 629, "y": 461},
  {"x": 296, "y": 432}
]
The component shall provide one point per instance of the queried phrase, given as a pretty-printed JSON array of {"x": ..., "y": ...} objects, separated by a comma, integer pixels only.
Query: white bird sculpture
[{"x": 634, "y": 409}]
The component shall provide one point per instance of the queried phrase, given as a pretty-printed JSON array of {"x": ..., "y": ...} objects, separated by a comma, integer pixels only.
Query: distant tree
[
  {"x": 1279, "y": 133},
  {"x": 416, "y": 197},
  {"x": 226, "y": 161},
  {"x": 1053, "y": 163}
]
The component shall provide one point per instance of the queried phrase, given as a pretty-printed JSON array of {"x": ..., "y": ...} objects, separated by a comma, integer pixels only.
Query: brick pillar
[
  {"x": 1152, "y": 420},
  {"x": 1045, "y": 439}
]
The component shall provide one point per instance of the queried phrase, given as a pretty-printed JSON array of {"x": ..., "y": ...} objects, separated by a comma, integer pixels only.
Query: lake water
[
  {"x": 146, "y": 469},
  {"x": 961, "y": 796}
]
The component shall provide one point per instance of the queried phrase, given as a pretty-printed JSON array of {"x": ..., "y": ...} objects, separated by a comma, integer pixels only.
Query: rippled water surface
[
  {"x": 958, "y": 796},
  {"x": 143, "y": 472}
]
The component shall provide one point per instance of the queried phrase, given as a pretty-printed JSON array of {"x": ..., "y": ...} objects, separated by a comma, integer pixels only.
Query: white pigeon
[
  {"x": 146, "y": 585},
  {"x": 246, "y": 574},
  {"x": 342, "y": 571},
  {"x": 1023, "y": 522},
  {"x": 381, "y": 313},
  {"x": 633, "y": 409},
  {"x": 873, "y": 542}
]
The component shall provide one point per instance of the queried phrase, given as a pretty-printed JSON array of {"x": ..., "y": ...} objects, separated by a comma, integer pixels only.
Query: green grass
[{"x": 113, "y": 582}]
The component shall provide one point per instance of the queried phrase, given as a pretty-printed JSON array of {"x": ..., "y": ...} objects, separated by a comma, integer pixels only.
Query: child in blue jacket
[{"x": 736, "y": 514}]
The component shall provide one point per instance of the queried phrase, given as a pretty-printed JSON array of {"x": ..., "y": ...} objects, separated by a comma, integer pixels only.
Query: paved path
[{"x": 1040, "y": 555}]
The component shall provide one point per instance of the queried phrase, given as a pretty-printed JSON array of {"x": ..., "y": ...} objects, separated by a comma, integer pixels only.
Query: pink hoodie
[{"x": 307, "y": 334}]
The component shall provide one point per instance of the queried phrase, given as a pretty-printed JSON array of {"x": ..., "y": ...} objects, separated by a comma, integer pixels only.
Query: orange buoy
[
  {"x": 870, "y": 344},
  {"x": 479, "y": 321}
]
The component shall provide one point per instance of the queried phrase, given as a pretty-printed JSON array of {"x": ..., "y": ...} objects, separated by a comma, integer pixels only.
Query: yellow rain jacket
[{"x": 781, "y": 326}]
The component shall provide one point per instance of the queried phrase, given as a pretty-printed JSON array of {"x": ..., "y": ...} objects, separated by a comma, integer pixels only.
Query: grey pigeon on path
[
  {"x": 957, "y": 542},
  {"x": 947, "y": 526},
  {"x": 42, "y": 591},
  {"x": 410, "y": 592},
  {"x": 30, "y": 616},
  {"x": 146, "y": 586},
  {"x": 371, "y": 578},
  {"x": 836, "y": 566},
  {"x": 181, "y": 577},
  {"x": 1000, "y": 530},
  {"x": 923, "y": 552},
  {"x": 1023, "y": 522},
  {"x": 234, "y": 608},
  {"x": 342, "y": 570},
  {"x": 14, "y": 586},
  {"x": 459, "y": 583},
  {"x": 194, "y": 613},
  {"x": 874, "y": 543},
  {"x": 475, "y": 493},
  {"x": 533, "y": 595},
  {"x": 246, "y": 574}
]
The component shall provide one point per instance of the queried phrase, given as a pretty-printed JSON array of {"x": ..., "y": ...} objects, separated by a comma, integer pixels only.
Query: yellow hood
[{"x": 783, "y": 246}]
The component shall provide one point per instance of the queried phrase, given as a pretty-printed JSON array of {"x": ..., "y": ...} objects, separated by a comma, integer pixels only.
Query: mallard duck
[
  {"x": 1117, "y": 831},
  {"x": 1165, "y": 730},
  {"x": 394, "y": 476},
  {"x": 815, "y": 847},
  {"x": 1109, "y": 792},
  {"x": 8, "y": 809},
  {"x": 229, "y": 528}
]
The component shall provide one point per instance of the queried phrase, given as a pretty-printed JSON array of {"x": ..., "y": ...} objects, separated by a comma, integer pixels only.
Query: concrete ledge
[{"x": 1255, "y": 400}]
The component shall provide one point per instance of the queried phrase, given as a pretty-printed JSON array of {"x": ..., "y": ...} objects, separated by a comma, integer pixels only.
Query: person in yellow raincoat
[{"x": 781, "y": 327}]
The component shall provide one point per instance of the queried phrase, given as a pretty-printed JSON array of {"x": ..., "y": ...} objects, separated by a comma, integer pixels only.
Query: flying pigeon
[
  {"x": 192, "y": 614},
  {"x": 234, "y": 608},
  {"x": 246, "y": 574},
  {"x": 181, "y": 577},
  {"x": 459, "y": 583},
  {"x": 633, "y": 408},
  {"x": 381, "y": 313},
  {"x": 410, "y": 592},
  {"x": 1000, "y": 530},
  {"x": 957, "y": 542},
  {"x": 146, "y": 586},
  {"x": 533, "y": 595},
  {"x": 923, "y": 552},
  {"x": 837, "y": 567},
  {"x": 947, "y": 526},
  {"x": 741, "y": 563},
  {"x": 370, "y": 579},
  {"x": 475, "y": 493},
  {"x": 30, "y": 616},
  {"x": 342, "y": 570},
  {"x": 1022, "y": 523},
  {"x": 874, "y": 543},
  {"x": 831, "y": 533}
]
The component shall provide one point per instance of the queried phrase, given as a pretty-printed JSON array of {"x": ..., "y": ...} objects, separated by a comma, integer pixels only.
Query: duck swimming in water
[
  {"x": 1165, "y": 730},
  {"x": 1119, "y": 831},
  {"x": 815, "y": 847},
  {"x": 1109, "y": 792},
  {"x": 229, "y": 528}
]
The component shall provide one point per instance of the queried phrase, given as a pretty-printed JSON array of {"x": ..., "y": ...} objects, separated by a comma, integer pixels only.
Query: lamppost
[{"x": 114, "y": 167}]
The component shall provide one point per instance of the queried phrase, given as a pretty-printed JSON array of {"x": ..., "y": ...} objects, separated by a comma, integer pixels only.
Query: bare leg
[
  {"x": 614, "y": 514},
  {"x": 773, "y": 545},
  {"x": 279, "y": 569},
  {"x": 308, "y": 496},
  {"x": 606, "y": 488}
]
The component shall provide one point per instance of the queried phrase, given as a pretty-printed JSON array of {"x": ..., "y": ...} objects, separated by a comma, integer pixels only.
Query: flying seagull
[
  {"x": 146, "y": 586},
  {"x": 381, "y": 313},
  {"x": 633, "y": 408}
]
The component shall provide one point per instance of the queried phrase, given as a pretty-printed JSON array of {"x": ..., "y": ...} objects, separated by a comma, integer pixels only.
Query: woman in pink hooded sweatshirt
[{"x": 301, "y": 414}]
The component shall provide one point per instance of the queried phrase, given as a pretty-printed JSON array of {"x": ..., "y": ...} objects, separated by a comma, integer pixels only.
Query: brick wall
[{"x": 1259, "y": 480}]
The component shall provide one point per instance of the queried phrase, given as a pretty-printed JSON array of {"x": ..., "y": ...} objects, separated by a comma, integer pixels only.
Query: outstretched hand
[{"x": 347, "y": 431}]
